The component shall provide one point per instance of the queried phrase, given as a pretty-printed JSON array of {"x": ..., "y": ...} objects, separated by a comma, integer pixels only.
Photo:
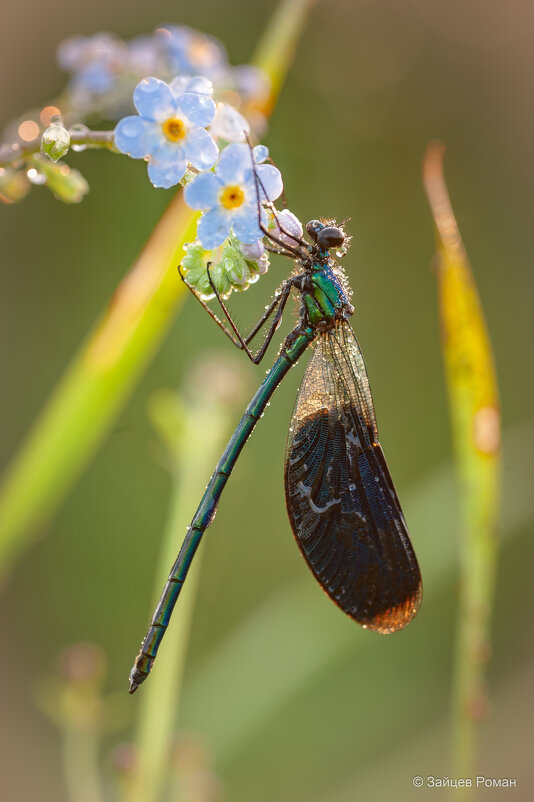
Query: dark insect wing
[{"x": 341, "y": 501}]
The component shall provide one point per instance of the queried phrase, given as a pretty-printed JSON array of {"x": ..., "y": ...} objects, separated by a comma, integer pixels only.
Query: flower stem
[{"x": 11, "y": 154}]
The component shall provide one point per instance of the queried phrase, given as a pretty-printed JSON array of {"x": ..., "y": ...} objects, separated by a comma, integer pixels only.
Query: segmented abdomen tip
[{"x": 136, "y": 678}]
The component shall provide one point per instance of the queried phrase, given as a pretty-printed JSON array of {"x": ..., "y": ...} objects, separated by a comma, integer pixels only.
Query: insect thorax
[{"x": 328, "y": 299}]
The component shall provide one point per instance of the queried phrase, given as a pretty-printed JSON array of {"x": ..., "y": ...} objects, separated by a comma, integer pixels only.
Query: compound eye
[
  {"x": 313, "y": 227},
  {"x": 330, "y": 237}
]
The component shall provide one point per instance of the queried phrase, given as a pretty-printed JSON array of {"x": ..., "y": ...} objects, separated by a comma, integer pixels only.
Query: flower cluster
[
  {"x": 178, "y": 131},
  {"x": 236, "y": 201},
  {"x": 103, "y": 70},
  {"x": 185, "y": 130},
  {"x": 231, "y": 196},
  {"x": 230, "y": 232}
]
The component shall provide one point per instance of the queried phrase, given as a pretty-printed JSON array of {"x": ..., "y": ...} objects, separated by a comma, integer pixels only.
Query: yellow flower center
[
  {"x": 232, "y": 197},
  {"x": 174, "y": 129}
]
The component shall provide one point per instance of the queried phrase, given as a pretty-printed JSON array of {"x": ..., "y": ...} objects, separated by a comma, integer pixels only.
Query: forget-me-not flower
[
  {"x": 94, "y": 61},
  {"x": 229, "y": 196},
  {"x": 170, "y": 129},
  {"x": 229, "y": 124},
  {"x": 144, "y": 57},
  {"x": 191, "y": 52}
]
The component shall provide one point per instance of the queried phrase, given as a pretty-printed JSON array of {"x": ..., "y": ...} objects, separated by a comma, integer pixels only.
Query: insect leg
[
  {"x": 210, "y": 312},
  {"x": 279, "y": 301}
]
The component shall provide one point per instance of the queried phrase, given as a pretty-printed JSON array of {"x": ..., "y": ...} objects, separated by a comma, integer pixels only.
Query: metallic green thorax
[{"x": 327, "y": 298}]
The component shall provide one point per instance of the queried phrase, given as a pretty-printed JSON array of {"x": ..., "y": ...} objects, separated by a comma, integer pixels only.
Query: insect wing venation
[{"x": 341, "y": 501}]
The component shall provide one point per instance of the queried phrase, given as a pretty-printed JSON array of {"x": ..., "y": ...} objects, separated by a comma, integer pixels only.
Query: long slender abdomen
[{"x": 293, "y": 348}]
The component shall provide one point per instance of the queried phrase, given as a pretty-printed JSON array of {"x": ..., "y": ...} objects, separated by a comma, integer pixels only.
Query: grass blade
[{"x": 475, "y": 417}]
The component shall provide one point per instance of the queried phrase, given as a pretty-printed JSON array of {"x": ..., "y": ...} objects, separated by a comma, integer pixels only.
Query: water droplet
[{"x": 35, "y": 176}]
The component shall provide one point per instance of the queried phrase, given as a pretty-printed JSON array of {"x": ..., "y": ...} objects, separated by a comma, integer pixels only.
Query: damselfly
[{"x": 342, "y": 505}]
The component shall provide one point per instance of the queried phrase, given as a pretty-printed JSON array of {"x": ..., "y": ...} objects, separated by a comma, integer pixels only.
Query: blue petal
[
  {"x": 234, "y": 162},
  {"x": 200, "y": 148},
  {"x": 199, "y": 109},
  {"x": 180, "y": 84},
  {"x": 137, "y": 137},
  {"x": 95, "y": 78},
  {"x": 153, "y": 138},
  {"x": 203, "y": 191},
  {"x": 229, "y": 124},
  {"x": 154, "y": 100},
  {"x": 213, "y": 228},
  {"x": 252, "y": 192},
  {"x": 169, "y": 152},
  {"x": 166, "y": 174},
  {"x": 270, "y": 180},
  {"x": 261, "y": 152},
  {"x": 200, "y": 84},
  {"x": 245, "y": 223}
]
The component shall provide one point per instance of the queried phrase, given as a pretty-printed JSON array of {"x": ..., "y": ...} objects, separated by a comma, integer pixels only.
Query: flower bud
[
  {"x": 67, "y": 184},
  {"x": 55, "y": 142}
]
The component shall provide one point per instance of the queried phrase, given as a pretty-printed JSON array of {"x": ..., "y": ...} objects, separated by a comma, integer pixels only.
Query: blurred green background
[{"x": 292, "y": 700}]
